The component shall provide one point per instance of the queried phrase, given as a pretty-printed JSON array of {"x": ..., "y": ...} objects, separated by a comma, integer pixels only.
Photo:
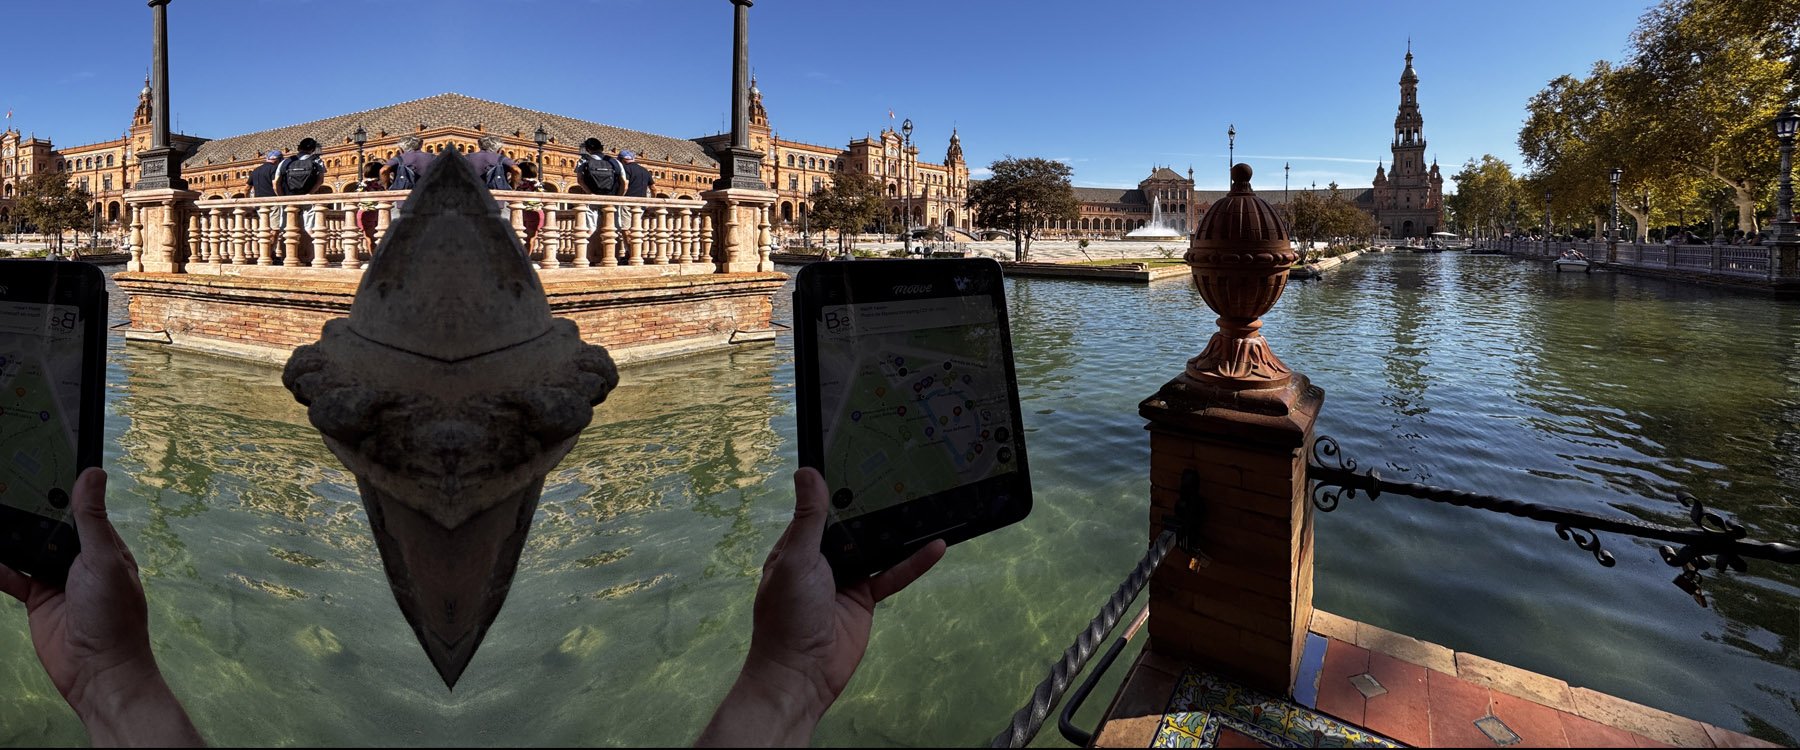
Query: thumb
[
  {"x": 811, "y": 499},
  {"x": 89, "y": 503}
]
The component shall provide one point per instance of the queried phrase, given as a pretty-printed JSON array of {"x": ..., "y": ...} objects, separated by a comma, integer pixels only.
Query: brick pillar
[
  {"x": 1233, "y": 431},
  {"x": 738, "y": 229}
]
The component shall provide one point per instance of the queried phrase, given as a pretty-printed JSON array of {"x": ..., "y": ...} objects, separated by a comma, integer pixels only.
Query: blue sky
[{"x": 1111, "y": 88}]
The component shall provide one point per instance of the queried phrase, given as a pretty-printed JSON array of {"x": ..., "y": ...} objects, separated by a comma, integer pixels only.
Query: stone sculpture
[{"x": 450, "y": 392}]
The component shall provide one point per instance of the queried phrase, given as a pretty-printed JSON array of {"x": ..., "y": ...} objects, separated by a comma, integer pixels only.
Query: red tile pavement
[
  {"x": 1404, "y": 712},
  {"x": 1589, "y": 733},
  {"x": 1337, "y": 696},
  {"x": 1455, "y": 705},
  {"x": 1643, "y": 741},
  {"x": 1537, "y": 725},
  {"x": 1233, "y": 738}
]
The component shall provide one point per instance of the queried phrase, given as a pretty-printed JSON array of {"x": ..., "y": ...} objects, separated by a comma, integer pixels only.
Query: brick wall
[{"x": 266, "y": 318}]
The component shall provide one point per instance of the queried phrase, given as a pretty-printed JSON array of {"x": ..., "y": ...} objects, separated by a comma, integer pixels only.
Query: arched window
[
  {"x": 109, "y": 160},
  {"x": 790, "y": 160}
]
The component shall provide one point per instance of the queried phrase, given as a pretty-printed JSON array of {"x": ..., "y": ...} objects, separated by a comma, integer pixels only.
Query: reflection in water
[{"x": 631, "y": 612}]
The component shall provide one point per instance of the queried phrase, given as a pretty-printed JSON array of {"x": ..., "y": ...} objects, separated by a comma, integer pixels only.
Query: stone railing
[
  {"x": 1738, "y": 261},
  {"x": 558, "y": 230}
]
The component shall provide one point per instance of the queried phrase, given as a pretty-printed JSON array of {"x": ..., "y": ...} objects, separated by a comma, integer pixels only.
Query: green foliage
[
  {"x": 849, "y": 205},
  {"x": 1332, "y": 217},
  {"x": 49, "y": 203},
  {"x": 1021, "y": 194},
  {"x": 1489, "y": 199},
  {"x": 1686, "y": 115}
]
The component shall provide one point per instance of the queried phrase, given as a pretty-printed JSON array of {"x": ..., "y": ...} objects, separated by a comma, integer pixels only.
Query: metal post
[
  {"x": 1612, "y": 229},
  {"x": 741, "y": 166},
  {"x": 906, "y": 180},
  {"x": 161, "y": 165},
  {"x": 1784, "y": 235}
]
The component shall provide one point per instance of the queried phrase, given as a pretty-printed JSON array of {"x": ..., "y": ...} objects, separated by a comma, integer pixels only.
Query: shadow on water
[{"x": 631, "y": 611}]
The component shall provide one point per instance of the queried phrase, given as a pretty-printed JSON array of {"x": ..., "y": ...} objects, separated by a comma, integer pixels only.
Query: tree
[
  {"x": 52, "y": 205},
  {"x": 849, "y": 205},
  {"x": 1486, "y": 192},
  {"x": 1023, "y": 194}
]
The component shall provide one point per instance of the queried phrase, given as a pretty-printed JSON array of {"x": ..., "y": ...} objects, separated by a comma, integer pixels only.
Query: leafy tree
[
  {"x": 51, "y": 204},
  {"x": 1023, "y": 194},
  {"x": 849, "y": 205},
  {"x": 1686, "y": 115},
  {"x": 1486, "y": 193}
]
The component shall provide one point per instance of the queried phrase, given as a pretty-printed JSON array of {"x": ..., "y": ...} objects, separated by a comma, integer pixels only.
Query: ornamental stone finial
[
  {"x": 1239, "y": 257},
  {"x": 450, "y": 392}
]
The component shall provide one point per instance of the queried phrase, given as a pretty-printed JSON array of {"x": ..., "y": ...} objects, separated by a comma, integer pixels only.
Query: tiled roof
[
  {"x": 1165, "y": 173},
  {"x": 450, "y": 110},
  {"x": 1110, "y": 195}
]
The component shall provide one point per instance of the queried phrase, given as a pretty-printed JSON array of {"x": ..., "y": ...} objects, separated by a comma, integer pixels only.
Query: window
[
  {"x": 793, "y": 182},
  {"x": 790, "y": 160},
  {"x": 109, "y": 160},
  {"x": 106, "y": 183}
]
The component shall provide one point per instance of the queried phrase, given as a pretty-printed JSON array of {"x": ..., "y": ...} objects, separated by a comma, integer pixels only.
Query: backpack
[
  {"x": 303, "y": 173},
  {"x": 495, "y": 177},
  {"x": 599, "y": 174},
  {"x": 404, "y": 177}
]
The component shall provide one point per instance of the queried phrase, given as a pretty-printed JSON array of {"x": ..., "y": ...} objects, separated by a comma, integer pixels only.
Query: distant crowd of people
[{"x": 597, "y": 172}]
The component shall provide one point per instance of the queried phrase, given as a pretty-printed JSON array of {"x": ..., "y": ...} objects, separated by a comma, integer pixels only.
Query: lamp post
[
  {"x": 359, "y": 137},
  {"x": 1784, "y": 235},
  {"x": 1547, "y": 223},
  {"x": 1612, "y": 228},
  {"x": 906, "y": 129},
  {"x": 1230, "y": 146},
  {"x": 742, "y": 165},
  {"x": 540, "y": 138}
]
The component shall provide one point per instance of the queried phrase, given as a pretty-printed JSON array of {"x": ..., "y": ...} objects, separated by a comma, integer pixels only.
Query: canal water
[{"x": 631, "y": 612}]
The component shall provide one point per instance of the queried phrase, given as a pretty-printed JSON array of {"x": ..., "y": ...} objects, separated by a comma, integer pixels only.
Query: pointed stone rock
[{"x": 450, "y": 393}]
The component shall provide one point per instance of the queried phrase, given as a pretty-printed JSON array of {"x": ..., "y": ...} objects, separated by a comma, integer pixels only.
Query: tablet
[{"x": 908, "y": 405}]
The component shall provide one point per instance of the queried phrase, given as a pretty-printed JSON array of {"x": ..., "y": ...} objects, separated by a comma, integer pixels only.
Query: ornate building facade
[
  {"x": 103, "y": 170},
  {"x": 683, "y": 168},
  {"x": 1409, "y": 200}
]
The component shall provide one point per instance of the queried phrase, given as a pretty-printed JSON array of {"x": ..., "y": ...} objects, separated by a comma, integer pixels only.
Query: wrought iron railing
[{"x": 1710, "y": 541}]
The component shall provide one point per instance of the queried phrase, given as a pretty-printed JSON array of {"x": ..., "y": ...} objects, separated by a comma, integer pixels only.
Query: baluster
[
  {"x": 634, "y": 236},
  {"x": 193, "y": 243},
  {"x": 210, "y": 234},
  {"x": 695, "y": 250},
  {"x": 581, "y": 243},
  {"x": 548, "y": 237},
  {"x": 660, "y": 235},
  {"x": 764, "y": 238},
  {"x": 296, "y": 224},
  {"x": 706, "y": 237},
  {"x": 353, "y": 238},
  {"x": 515, "y": 211},
  {"x": 236, "y": 218},
  {"x": 684, "y": 235},
  {"x": 609, "y": 242},
  {"x": 265, "y": 252},
  {"x": 384, "y": 217}
]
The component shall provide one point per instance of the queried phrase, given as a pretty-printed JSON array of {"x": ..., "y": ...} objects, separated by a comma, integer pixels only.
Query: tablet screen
[
  {"x": 41, "y": 350},
  {"x": 914, "y": 399}
]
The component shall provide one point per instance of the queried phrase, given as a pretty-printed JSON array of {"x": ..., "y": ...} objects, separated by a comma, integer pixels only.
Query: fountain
[{"x": 1156, "y": 230}]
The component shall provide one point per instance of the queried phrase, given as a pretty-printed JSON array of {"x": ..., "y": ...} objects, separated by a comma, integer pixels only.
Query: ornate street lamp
[
  {"x": 1547, "y": 220},
  {"x": 1785, "y": 126},
  {"x": 359, "y": 137},
  {"x": 540, "y": 138},
  {"x": 906, "y": 129},
  {"x": 1230, "y": 147},
  {"x": 1612, "y": 229}
]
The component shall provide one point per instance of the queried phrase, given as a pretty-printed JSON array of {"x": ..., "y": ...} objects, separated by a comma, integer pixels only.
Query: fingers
[
  {"x": 15, "y": 584},
  {"x": 892, "y": 580},
  {"x": 811, "y": 499},
  {"x": 89, "y": 501}
]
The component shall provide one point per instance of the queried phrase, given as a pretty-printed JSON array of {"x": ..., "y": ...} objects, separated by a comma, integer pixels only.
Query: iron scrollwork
[{"x": 1712, "y": 541}]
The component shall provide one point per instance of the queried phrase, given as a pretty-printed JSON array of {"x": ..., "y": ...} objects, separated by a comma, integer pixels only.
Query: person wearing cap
[
  {"x": 262, "y": 179},
  {"x": 637, "y": 178}
]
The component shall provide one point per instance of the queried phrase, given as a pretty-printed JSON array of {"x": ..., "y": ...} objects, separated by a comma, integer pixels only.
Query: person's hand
[
  {"x": 808, "y": 635},
  {"x": 93, "y": 635}
]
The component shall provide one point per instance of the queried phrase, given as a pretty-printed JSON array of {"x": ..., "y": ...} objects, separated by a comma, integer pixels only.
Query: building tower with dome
[{"x": 1409, "y": 198}]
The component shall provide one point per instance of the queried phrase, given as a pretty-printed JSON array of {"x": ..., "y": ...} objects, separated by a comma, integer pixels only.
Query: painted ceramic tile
[{"x": 1202, "y": 703}]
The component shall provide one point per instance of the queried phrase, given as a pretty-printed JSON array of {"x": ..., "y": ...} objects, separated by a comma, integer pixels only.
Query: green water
[{"x": 273, "y": 620}]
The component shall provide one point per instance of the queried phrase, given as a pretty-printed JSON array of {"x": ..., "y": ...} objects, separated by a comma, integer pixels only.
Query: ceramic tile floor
[{"x": 1361, "y": 686}]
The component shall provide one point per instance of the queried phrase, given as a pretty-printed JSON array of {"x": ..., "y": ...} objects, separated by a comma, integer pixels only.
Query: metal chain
[{"x": 1030, "y": 718}]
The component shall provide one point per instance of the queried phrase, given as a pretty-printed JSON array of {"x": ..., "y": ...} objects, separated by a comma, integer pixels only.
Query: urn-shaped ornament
[{"x": 1240, "y": 256}]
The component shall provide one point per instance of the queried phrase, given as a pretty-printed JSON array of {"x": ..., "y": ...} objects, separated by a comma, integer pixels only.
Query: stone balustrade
[
  {"x": 1747, "y": 262},
  {"x": 559, "y": 231}
]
